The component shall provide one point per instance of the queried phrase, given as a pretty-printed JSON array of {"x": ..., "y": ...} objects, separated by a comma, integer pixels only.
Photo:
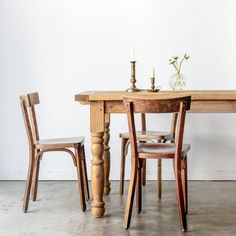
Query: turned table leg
[
  {"x": 97, "y": 120},
  {"x": 97, "y": 174},
  {"x": 106, "y": 155}
]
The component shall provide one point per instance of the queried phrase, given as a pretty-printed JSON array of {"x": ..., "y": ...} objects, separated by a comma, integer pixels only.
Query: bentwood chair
[
  {"x": 146, "y": 136},
  {"x": 176, "y": 151},
  {"x": 37, "y": 147}
]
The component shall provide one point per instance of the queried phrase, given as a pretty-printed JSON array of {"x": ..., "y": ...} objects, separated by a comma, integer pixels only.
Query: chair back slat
[
  {"x": 177, "y": 106},
  {"x": 34, "y": 123},
  {"x": 180, "y": 130},
  {"x": 132, "y": 129},
  {"x": 28, "y": 102},
  {"x": 30, "y": 99},
  {"x": 144, "y": 105}
]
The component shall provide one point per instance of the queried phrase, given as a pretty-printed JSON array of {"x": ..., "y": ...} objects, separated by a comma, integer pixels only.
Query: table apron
[{"x": 197, "y": 106}]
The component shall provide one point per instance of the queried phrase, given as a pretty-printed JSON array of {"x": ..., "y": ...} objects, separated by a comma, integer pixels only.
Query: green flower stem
[
  {"x": 180, "y": 64},
  {"x": 175, "y": 64}
]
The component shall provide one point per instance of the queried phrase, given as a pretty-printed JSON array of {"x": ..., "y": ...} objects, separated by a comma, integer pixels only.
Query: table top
[{"x": 197, "y": 95}]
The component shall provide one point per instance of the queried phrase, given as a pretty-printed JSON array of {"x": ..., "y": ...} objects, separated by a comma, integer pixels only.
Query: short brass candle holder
[
  {"x": 133, "y": 80},
  {"x": 153, "y": 88}
]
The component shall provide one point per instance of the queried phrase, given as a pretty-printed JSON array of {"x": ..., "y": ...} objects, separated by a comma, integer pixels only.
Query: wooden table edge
[{"x": 197, "y": 95}]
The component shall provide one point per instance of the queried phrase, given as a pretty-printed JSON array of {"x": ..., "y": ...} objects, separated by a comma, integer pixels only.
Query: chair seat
[
  {"x": 159, "y": 150},
  {"x": 149, "y": 135},
  {"x": 60, "y": 142}
]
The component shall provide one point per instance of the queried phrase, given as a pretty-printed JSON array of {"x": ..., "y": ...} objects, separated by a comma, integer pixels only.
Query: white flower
[
  {"x": 171, "y": 61},
  {"x": 186, "y": 56}
]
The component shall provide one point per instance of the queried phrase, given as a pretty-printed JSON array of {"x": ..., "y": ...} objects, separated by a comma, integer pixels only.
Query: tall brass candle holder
[{"x": 133, "y": 87}]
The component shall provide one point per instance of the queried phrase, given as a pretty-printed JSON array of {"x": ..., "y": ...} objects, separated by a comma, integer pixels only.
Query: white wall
[{"x": 61, "y": 47}]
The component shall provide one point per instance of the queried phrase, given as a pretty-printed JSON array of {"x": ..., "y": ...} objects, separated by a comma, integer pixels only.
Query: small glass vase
[{"x": 177, "y": 82}]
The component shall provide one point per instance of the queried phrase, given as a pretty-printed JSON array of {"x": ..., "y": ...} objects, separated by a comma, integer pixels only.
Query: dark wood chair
[
  {"x": 38, "y": 146},
  {"x": 145, "y": 136},
  {"x": 140, "y": 151}
]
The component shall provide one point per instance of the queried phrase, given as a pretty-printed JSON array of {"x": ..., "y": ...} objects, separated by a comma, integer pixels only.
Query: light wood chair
[
  {"x": 140, "y": 151},
  {"x": 38, "y": 147},
  {"x": 146, "y": 136}
]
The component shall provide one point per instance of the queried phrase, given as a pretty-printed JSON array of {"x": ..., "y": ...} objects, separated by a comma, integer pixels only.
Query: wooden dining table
[{"x": 104, "y": 103}]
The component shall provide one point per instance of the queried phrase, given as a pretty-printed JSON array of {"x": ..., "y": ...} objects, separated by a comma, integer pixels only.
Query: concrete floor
[{"x": 212, "y": 211}]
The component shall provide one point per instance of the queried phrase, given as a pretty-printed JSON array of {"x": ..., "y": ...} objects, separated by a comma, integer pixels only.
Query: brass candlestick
[
  {"x": 133, "y": 87},
  {"x": 152, "y": 82},
  {"x": 153, "y": 87}
]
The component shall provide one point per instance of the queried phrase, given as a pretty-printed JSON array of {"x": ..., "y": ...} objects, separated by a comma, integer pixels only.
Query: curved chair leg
[
  {"x": 159, "y": 178},
  {"x": 78, "y": 156},
  {"x": 184, "y": 176},
  {"x": 180, "y": 196},
  {"x": 35, "y": 179},
  {"x": 144, "y": 169},
  {"x": 122, "y": 164},
  {"x": 139, "y": 187},
  {"x": 131, "y": 191},
  {"x": 85, "y": 176},
  {"x": 29, "y": 181}
]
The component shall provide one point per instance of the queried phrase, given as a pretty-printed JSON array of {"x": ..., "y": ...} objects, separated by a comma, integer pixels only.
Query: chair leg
[
  {"x": 184, "y": 176},
  {"x": 159, "y": 174},
  {"x": 78, "y": 156},
  {"x": 85, "y": 176},
  {"x": 29, "y": 180},
  {"x": 144, "y": 169},
  {"x": 131, "y": 191},
  {"x": 173, "y": 161},
  {"x": 122, "y": 165},
  {"x": 139, "y": 187},
  {"x": 35, "y": 180},
  {"x": 180, "y": 196},
  {"x": 159, "y": 178}
]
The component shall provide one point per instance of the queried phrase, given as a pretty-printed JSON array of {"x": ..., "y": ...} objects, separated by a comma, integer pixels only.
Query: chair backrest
[
  {"x": 177, "y": 106},
  {"x": 28, "y": 101}
]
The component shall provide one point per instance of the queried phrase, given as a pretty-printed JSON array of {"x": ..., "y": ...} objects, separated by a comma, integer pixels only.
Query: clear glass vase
[{"x": 177, "y": 82}]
